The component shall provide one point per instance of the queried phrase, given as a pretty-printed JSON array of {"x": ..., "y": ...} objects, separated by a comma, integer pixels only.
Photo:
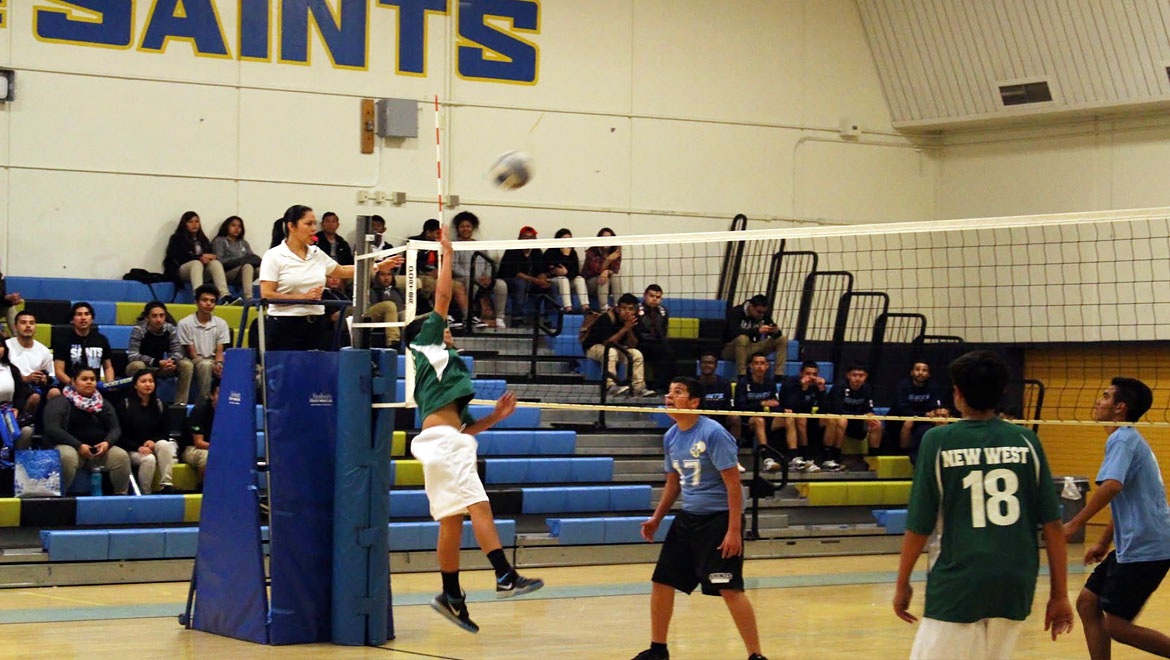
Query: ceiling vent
[{"x": 1032, "y": 92}]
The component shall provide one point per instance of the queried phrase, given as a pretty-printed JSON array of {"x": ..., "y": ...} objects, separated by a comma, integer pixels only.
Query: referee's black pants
[{"x": 297, "y": 333}]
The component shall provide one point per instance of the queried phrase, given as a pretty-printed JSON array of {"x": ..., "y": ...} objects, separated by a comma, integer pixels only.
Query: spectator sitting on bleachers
[
  {"x": 34, "y": 360},
  {"x": 854, "y": 396},
  {"x": 196, "y": 438},
  {"x": 801, "y": 394},
  {"x": 204, "y": 336},
  {"x": 84, "y": 429},
  {"x": 331, "y": 242},
  {"x": 915, "y": 397},
  {"x": 81, "y": 344},
  {"x": 616, "y": 326},
  {"x": 520, "y": 276},
  {"x": 717, "y": 392},
  {"x": 756, "y": 392},
  {"x": 8, "y": 303},
  {"x": 377, "y": 228},
  {"x": 600, "y": 270},
  {"x": 189, "y": 256},
  {"x": 750, "y": 330},
  {"x": 385, "y": 301},
  {"x": 144, "y": 434},
  {"x": 15, "y": 393},
  {"x": 426, "y": 265},
  {"x": 154, "y": 344},
  {"x": 652, "y": 329},
  {"x": 233, "y": 252},
  {"x": 564, "y": 269},
  {"x": 466, "y": 224}
]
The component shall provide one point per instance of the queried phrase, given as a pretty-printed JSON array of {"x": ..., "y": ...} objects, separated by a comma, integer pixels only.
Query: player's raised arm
[{"x": 443, "y": 283}]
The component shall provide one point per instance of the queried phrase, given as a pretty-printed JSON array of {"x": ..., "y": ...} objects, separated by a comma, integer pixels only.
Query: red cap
[{"x": 527, "y": 230}]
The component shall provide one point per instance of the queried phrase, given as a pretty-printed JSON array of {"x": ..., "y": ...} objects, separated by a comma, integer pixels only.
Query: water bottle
[{"x": 95, "y": 482}]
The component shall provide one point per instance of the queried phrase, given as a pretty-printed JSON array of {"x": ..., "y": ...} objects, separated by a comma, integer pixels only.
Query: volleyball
[{"x": 512, "y": 170}]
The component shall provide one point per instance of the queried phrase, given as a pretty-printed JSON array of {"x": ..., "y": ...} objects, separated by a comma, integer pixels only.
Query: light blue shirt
[
  {"x": 1141, "y": 517},
  {"x": 698, "y": 455}
]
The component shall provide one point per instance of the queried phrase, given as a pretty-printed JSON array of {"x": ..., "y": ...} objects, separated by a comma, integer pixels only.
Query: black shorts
[
  {"x": 855, "y": 429},
  {"x": 1125, "y": 588},
  {"x": 691, "y": 556}
]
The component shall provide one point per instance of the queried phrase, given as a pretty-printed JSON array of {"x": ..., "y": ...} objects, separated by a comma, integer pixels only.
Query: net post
[{"x": 361, "y": 284}]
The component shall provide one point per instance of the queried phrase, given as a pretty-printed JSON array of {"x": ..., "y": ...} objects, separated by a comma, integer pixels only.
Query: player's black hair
[
  {"x": 79, "y": 369},
  {"x": 857, "y": 366},
  {"x": 78, "y": 305},
  {"x": 628, "y": 299},
  {"x": 327, "y": 214},
  {"x": 981, "y": 377},
  {"x": 25, "y": 312},
  {"x": 654, "y": 287},
  {"x": 1136, "y": 396},
  {"x": 414, "y": 328},
  {"x": 377, "y": 218},
  {"x": 562, "y": 232},
  {"x": 756, "y": 355},
  {"x": 809, "y": 364},
  {"x": 711, "y": 353},
  {"x": 430, "y": 225},
  {"x": 208, "y": 289},
  {"x": 759, "y": 300},
  {"x": 695, "y": 389}
]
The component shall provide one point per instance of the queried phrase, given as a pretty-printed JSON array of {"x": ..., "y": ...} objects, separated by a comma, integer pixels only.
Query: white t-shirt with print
[{"x": 296, "y": 276}]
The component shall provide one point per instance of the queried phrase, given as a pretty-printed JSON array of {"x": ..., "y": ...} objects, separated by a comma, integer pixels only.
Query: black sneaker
[
  {"x": 516, "y": 585},
  {"x": 455, "y": 611},
  {"x": 651, "y": 654},
  {"x": 756, "y": 656}
]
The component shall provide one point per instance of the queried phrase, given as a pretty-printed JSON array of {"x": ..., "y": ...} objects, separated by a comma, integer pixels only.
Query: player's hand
[
  {"x": 505, "y": 406},
  {"x": 1059, "y": 616},
  {"x": 902, "y": 595},
  {"x": 873, "y": 424},
  {"x": 1070, "y": 529},
  {"x": 445, "y": 241},
  {"x": 85, "y": 451},
  {"x": 390, "y": 263},
  {"x": 772, "y": 403},
  {"x": 1095, "y": 553},
  {"x": 99, "y": 449},
  {"x": 732, "y": 545},
  {"x": 649, "y": 527}
]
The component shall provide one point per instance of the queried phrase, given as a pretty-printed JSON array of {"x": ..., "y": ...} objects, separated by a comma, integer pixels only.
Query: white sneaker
[
  {"x": 500, "y": 325},
  {"x": 617, "y": 390},
  {"x": 810, "y": 466},
  {"x": 771, "y": 465},
  {"x": 797, "y": 464},
  {"x": 741, "y": 467}
]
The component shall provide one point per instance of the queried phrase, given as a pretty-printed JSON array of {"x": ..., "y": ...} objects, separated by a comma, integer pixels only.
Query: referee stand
[{"x": 327, "y": 475}]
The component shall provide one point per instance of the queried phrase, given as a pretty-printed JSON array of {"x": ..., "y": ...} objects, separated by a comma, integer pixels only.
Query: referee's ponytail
[{"x": 292, "y": 216}]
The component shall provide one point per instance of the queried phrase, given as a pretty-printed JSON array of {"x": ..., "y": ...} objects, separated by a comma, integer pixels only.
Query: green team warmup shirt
[
  {"x": 440, "y": 375},
  {"x": 986, "y": 486}
]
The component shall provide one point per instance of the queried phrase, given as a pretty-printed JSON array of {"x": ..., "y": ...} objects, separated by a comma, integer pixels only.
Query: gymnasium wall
[{"x": 644, "y": 115}]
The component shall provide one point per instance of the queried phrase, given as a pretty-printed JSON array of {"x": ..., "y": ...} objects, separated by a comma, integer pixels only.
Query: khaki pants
[
  {"x": 115, "y": 460},
  {"x": 742, "y": 349},
  {"x": 385, "y": 312},
  {"x": 163, "y": 459},
  {"x": 596, "y": 353},
  {"x": 603, "y": 290},
  {"x": 204, "y": 373},
  {"x": 244, "y": 275},
  {"x": 196, "y": 458},
  {"x": 193, "y": 272},
  {"x": 183, "y": 372}
]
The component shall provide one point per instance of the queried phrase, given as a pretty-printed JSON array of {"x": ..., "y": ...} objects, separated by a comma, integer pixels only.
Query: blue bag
[
  {"x": 9, "y": 433},
  {"x": 38, "y": 473}
]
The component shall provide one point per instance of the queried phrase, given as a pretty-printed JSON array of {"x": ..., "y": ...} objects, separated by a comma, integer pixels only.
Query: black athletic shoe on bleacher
[
  {"x": 651, "y": 654},
  {"x": 516, "y": 586},
  {"x": 756, "y": 656},
  {"x": 455, "y": 611}
]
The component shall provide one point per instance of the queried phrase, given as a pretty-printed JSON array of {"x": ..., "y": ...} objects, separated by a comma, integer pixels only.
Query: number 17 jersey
[{"x": 986, "y": 487}]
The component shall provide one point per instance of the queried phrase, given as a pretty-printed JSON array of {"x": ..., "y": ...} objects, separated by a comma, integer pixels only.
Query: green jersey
[
  {"x": 440, "y": 375},
  {"x": 985, "y": 486}
]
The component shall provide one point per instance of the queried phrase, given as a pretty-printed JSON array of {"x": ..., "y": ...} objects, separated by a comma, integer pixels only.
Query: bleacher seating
[{"x": 594, "y": 531}]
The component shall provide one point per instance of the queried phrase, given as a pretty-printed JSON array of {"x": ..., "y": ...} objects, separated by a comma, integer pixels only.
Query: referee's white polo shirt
[{"x": 296, "y": 276}]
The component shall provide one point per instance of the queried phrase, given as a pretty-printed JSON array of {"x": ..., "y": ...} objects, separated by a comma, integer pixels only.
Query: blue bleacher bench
[
  {"x": 894, "y": 520},
  {"x": 520, "y": 443},
  {"x": 580, "y": 499},
  {"x": 596, "y": 531},
  {"x": 89, "y": 290},
  {"x": 547, "y": 470},
  {"x": 406, "y": 536}
]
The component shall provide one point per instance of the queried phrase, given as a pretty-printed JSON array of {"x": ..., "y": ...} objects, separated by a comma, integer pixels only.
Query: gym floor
[{"x": 825, "y": 607}]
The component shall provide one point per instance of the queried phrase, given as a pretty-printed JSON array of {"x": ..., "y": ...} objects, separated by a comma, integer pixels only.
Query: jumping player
[
  {"x": 1131, "y": 483},
  {"x": 705, "y": 544},
  {"x": 984, "y": 485},
  {"x": 447, "y": 450}
]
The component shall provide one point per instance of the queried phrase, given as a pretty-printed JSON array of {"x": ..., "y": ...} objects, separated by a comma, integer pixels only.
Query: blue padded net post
[
  {"x": 229, "y": 562},
  {"x": 361, "y": 509}
]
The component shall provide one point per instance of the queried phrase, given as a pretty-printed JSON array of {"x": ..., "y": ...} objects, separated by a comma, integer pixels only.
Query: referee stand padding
[{"x": 328, "y": 496}]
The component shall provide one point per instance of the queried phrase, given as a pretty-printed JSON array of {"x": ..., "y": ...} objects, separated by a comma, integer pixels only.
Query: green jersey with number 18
[{"x": 985, "y": 486}]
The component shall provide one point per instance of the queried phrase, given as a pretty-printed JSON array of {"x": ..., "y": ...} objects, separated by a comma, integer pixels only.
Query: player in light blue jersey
[
  {"x": 1130, "y": 481},
  {"x": 705, "y": 543}
]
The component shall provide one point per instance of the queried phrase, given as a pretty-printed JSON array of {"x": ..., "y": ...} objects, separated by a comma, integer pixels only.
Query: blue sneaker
[
  {"x": 455, "y": 611},
  {"x": 514, "y": 585}
]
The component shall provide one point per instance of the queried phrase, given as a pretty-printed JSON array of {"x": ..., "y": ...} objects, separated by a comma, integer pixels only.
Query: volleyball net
[{"x": 1069, "y": 301}]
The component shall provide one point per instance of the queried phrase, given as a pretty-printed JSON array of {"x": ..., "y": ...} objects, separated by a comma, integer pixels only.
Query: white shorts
[
  {"x": 449, "y": 475},
  {"x": 985, "y": 639}
]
